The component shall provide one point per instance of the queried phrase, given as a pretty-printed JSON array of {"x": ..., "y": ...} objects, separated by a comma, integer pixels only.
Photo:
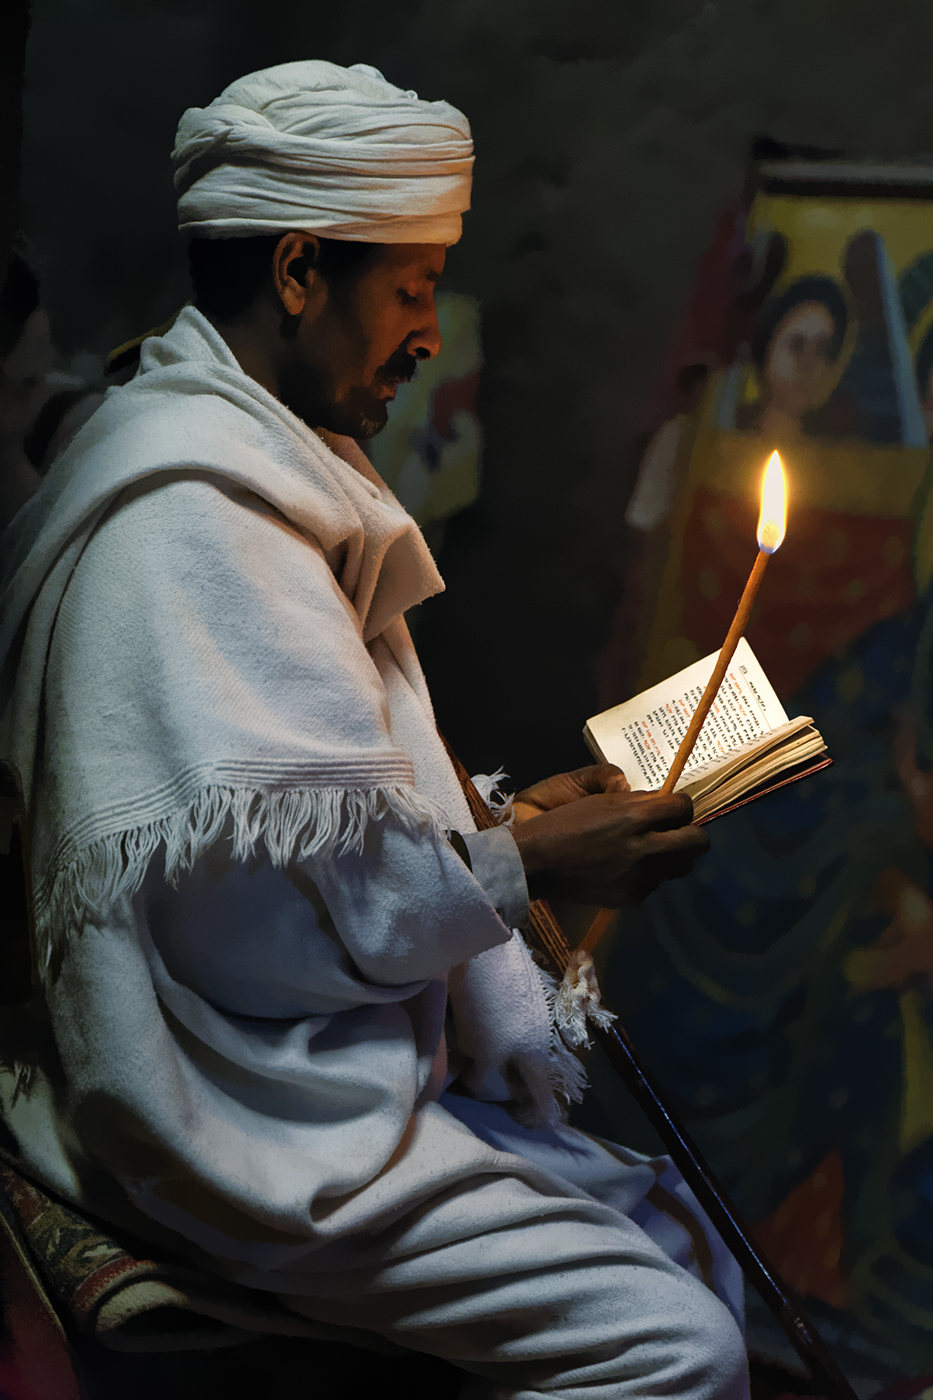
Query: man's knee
[
  {"x": 711, "y": 1359},
  {"x": 692, "y": 1350},
  {"x": 664, "y": 1333}
]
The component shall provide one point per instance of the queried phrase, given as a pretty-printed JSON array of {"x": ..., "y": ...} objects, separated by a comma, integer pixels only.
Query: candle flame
[{"x": 772, "y": 522}]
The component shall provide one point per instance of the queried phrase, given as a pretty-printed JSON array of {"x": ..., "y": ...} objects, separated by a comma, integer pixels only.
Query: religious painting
[
  {"x": 829, "y": 379},
  {"x": 783, "y": 991}
]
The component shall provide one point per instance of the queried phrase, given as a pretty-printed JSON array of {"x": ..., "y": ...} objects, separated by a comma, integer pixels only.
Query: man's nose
[{"x": 425, "y": 343}]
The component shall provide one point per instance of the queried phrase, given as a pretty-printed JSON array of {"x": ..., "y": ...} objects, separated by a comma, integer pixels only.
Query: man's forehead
[{"x": 414, "y": 259}]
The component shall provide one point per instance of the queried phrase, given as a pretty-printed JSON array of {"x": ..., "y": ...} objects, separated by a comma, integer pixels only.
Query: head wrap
[{"x": 336, "y": 151}]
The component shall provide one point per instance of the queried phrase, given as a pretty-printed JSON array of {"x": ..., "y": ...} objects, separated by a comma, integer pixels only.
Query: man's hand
[
  {"x": 568, "y": 787},
  {"x": 584, "y": 836}
]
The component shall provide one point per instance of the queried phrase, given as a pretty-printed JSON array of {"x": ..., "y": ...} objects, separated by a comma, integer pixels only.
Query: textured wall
[{"x": 609, "y": 136}]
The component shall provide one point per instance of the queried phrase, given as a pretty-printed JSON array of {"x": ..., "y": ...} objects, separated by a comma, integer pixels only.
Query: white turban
[{"x": 336, "y": 151}]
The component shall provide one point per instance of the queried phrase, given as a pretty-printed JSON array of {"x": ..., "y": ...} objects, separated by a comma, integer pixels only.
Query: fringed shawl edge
[{"x": 81, "y": 883}]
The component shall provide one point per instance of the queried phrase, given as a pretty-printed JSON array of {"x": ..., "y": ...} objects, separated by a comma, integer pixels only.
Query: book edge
[{"x": 814, "y": 766}]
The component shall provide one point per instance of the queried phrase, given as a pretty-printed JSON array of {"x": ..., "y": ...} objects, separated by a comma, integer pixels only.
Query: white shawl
[
  {"x": 166, "y": 716},
  {"x": 157, "y": 733}
]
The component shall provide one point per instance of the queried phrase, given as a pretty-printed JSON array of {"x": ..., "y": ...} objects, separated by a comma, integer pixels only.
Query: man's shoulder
[
  {"x": 168, "y": 416},
  {"x": 158, "y": 431},
  {"x": 203, "y": 549}
]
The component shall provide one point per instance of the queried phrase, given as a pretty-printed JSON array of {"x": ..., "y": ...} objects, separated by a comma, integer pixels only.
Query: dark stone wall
[{"x": 609, "y": 136}]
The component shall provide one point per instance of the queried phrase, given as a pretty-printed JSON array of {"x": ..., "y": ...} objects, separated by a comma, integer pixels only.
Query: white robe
[{"x": 214, "y": 682}]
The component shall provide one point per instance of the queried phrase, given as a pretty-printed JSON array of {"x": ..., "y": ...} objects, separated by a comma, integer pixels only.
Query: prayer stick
[
  {"x": 552, "y": 947},
  {"x": 688, "y": 1159}
]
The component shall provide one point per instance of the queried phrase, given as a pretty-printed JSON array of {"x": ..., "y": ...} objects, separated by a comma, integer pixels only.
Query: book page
[{"x": 642, "y": 736}]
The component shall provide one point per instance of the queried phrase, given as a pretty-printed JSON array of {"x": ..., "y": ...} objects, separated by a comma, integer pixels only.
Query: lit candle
[{"x": 772, "y": 523}]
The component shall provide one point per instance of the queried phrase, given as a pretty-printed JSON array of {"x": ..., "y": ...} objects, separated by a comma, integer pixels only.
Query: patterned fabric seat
[{"x": 85, "y": 1319}]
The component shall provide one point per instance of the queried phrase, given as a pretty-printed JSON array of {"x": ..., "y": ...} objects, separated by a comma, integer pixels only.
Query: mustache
[{"x": 400, "y": 365}]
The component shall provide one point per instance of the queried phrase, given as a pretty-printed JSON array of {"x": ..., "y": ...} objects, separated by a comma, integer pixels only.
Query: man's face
[{"x": 346, "y": 356}]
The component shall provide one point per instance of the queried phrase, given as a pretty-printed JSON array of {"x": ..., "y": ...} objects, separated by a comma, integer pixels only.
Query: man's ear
[{"x": 293, "y": 268}]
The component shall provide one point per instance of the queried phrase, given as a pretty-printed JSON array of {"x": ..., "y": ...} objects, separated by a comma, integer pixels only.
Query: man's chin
[
  {"x": 365, "y": 422},
  {"x": 359, "y": 420},
  {"x": 369, "y": 427}
]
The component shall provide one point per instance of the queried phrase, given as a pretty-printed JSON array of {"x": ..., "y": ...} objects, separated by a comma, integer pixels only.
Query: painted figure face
[{"x": 798, "y": 359}]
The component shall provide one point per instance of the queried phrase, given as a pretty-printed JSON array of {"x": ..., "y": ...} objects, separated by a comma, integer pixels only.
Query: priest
[{"x": 288, "y": 1028}]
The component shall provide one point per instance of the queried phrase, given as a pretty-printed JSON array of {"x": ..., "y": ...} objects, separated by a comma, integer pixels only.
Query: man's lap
[
  {"x": 536, "y": 1283},
  {"x": 650, "y": 1191}
]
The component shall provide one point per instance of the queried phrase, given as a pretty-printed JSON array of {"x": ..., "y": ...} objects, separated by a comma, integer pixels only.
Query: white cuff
[{"x": 497, "y": 865}]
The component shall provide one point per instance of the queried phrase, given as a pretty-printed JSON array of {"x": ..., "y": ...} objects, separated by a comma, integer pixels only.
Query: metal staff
[{"x": 551, "y": 943}]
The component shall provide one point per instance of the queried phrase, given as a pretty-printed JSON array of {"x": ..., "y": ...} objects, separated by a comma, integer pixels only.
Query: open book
[{"x": 747, "y": 746}]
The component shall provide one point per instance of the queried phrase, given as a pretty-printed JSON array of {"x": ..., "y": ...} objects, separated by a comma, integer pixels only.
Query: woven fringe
[
  {"x": 290, "y": 825},
  {"x": 569, "y": 1076},
  {"x": 540, "y": 1079},
  {"x": 543, "y": 1077},
  {"x": 557, "y": 1074}
]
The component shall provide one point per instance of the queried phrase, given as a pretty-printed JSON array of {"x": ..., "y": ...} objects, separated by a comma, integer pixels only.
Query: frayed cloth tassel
[
  {"x": 500, "y": 804},
  {"x": 578, "y": 1001}
]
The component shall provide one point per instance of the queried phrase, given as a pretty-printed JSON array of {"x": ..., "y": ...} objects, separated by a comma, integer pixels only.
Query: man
[{"x": 292, "y": 1036}]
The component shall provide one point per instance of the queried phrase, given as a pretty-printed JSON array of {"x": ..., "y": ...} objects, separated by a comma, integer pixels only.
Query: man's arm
[{"x": 586, "y": 837}]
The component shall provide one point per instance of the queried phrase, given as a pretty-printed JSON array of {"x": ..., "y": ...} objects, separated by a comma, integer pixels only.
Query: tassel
[
  {"x": 489, "y": 787},
  {"x": 578, "y": 1000}
]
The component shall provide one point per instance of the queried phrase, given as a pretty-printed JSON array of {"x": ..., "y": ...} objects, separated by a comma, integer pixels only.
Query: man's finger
[
  {"x": 600, "y": 777},
  {"x": 673, "y": 864},
  {"x": 675, "y": 809},
  {"x": 654, "y": 811},
  {"x": 657, "y": 844},
  {"x": 565, "y": 788}
]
